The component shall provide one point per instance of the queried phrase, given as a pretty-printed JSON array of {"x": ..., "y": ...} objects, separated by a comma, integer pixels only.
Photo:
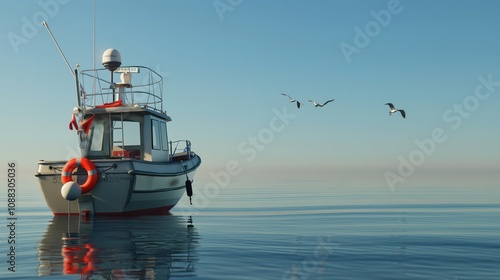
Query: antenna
[
  {"x": 94, "y": 84},
  {"x": 58, "y": 48}
]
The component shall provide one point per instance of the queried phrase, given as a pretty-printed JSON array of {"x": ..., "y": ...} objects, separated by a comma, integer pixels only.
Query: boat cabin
[
  {"x": 127, "y": 119},
  {"x": 125, "y": 134}
]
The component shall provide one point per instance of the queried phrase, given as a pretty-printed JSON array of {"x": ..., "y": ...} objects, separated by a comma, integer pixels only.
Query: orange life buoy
[{"x": 72, "y": 164}]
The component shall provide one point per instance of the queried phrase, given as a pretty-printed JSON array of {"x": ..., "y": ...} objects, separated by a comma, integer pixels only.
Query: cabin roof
[{"x": 127, "y": 109}]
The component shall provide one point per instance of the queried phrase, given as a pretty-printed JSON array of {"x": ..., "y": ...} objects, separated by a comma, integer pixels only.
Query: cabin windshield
[
  {"x": 126, "y": 139},
  {"x": 116, "y": 136}
]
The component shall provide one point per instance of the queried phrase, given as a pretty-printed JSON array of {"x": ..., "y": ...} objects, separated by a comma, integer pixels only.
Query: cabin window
[
  {"x": 164, "y": 141},
  {"x": 97, "y": 137},
  {"x": 156, "y": 134},
  {"x": 126, "y": 139},
  {"x": 131, "y": 133}
]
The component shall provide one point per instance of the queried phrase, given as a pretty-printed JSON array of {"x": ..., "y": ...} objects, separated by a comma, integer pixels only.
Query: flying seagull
[
  {"x": 292, "y": 100},
  {"x": 320, "y": 105},
  {"x": 394, "y": 110}
]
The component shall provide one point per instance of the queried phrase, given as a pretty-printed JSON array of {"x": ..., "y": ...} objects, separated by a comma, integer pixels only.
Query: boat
[{"x": 127, "y": 164}]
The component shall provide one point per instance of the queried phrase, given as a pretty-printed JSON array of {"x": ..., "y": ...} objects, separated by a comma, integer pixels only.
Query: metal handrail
[
  {"x": 185, "y": 148},
  {"x": 145, "y": 82}
]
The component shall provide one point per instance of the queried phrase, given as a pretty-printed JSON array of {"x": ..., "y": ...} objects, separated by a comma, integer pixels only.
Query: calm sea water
[{"x": 271, "y": 230}]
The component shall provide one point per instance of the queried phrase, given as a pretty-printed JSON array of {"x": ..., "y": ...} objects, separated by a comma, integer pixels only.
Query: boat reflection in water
[{"x": 150, "y": 247}]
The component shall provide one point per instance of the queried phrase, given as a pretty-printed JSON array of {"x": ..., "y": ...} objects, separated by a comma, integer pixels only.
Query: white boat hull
[{"x": 124, "y": 187}]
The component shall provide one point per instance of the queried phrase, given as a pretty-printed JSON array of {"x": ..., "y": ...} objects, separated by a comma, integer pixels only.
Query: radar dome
[{"x": 111, "y": 59}]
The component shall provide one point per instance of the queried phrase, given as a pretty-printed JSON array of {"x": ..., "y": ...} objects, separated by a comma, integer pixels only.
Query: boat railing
[
  {"x": 180, "y": 150},
  {"x": 133, "y": 85}
]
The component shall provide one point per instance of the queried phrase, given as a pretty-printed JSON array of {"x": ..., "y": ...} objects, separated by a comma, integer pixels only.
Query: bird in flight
[
  {"x": 394, "y": 110},
  {"x": 292, "y": 100},
  {"x": 320, "y": 105}
]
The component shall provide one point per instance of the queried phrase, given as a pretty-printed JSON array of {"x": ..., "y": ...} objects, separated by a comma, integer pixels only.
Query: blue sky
[{"x": 226, "y": 63}]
